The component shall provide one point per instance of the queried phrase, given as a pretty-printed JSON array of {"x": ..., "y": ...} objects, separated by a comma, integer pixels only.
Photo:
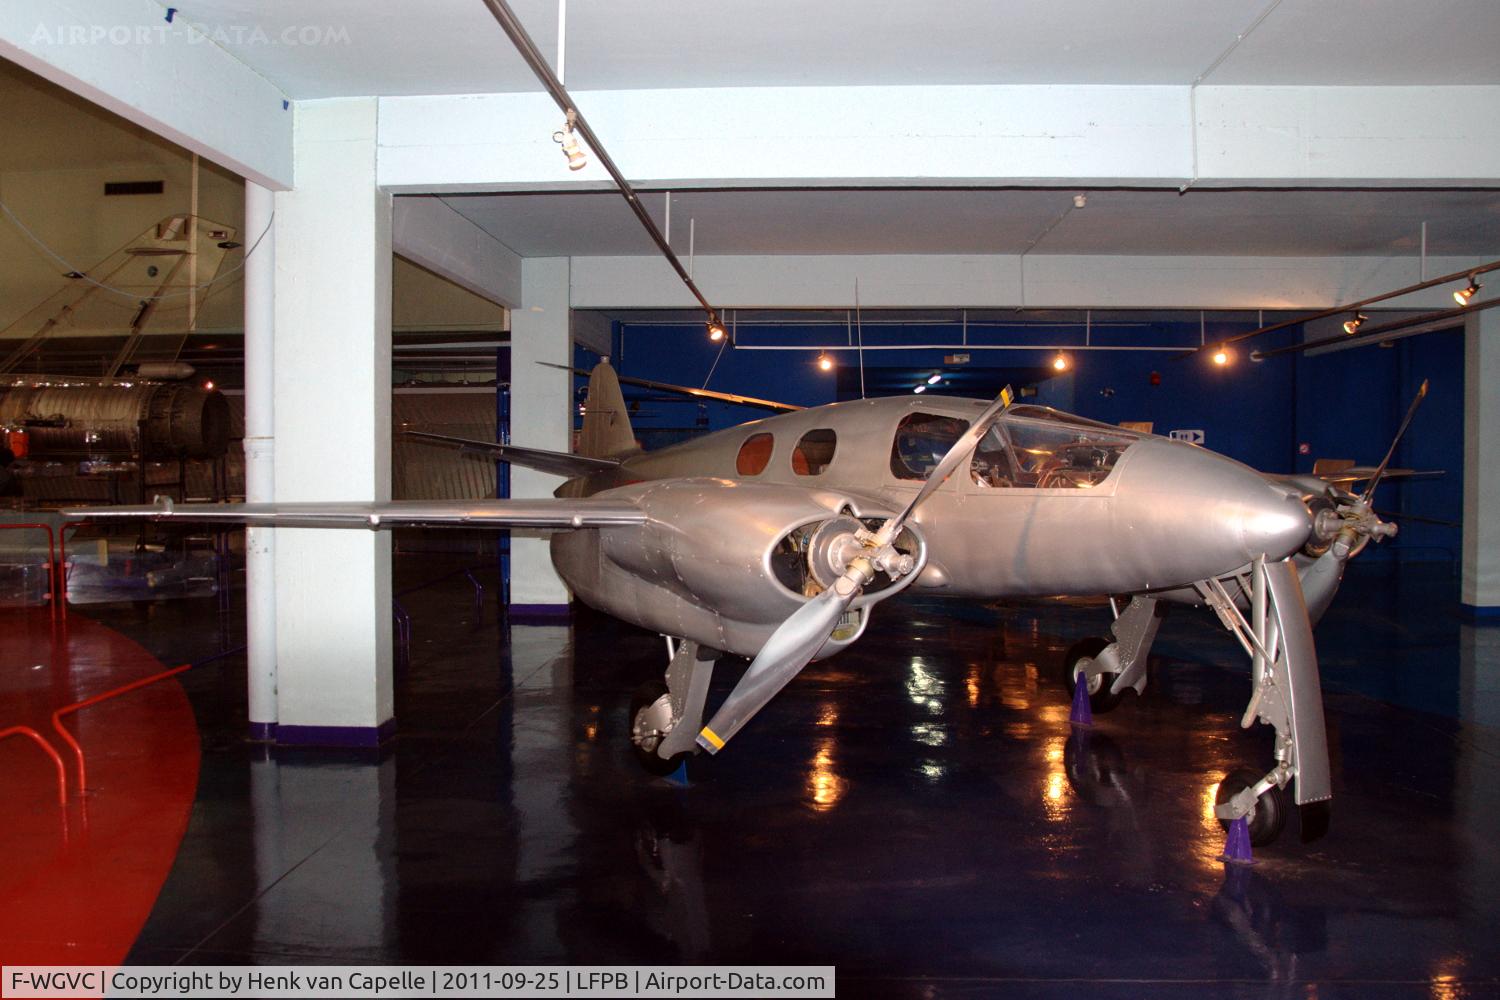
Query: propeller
[
  {"x": 1361, "y": 522},
  {"x": 797, "y": 640}
]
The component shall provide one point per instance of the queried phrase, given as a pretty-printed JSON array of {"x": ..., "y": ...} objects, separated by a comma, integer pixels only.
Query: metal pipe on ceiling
[
  {"x": 1378, "y": 333},
  {"x": 560, "y": 96},
  {"x": 1346, "y": 307}
]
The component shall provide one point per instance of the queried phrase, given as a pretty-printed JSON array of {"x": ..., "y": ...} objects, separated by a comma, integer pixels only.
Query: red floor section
[{"x": 77, "y": 884}]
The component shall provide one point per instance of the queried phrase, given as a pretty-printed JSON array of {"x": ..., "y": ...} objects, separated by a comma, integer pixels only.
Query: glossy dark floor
[{"x": 915, "y": 811}]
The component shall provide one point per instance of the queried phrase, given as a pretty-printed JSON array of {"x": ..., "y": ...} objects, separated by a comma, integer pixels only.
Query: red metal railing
[
  {"x": 73, "y": 744},
  {"x": 62, "y": 772},
  {"x": 56, "y": 591}
]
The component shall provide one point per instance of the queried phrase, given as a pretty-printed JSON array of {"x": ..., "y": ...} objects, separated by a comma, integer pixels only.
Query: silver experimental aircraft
[{"x": 776, "y": 539}]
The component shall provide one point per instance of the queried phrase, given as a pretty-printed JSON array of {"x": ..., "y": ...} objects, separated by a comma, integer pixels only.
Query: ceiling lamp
[
  {"x": 1060, "y": 363},
  {"x": 825, "y": 363},
  {"x": 1463, "y": 295},
  {"x": 715, "y": 330},
  {"x": 1221, "y": 356},
  {"x": 921, "y": 388},
  {"x": 568, "y": 139},
  {"x": 1350, "y": 325},
  {"x": 934, "y": 379}
]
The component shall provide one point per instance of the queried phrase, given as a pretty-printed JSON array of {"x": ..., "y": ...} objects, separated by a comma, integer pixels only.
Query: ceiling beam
[
  {"x": 427, "y": 232},
  {"x": 1064, "y": 136},
  {"x": 164, "y": 75},
  {"x": 1051, "y": 281}
]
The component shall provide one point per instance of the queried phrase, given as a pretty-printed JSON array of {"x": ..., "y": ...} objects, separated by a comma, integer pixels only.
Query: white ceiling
[
  {"x": 855, "y": 221},
  {"x": 454, "y": 46}
]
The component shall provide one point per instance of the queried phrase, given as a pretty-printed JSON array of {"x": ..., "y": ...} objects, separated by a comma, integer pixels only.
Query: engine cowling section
[{"x": 723, "y": 562}]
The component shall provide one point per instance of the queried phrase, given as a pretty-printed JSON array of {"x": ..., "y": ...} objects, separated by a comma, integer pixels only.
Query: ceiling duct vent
[{"x": 112, "y": 188}]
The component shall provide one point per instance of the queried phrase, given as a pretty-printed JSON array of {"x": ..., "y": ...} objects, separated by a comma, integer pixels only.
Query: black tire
[
  {"x": 1101, "y": 700},
  {"x": 1270, "y": 809},
  {"x": 644, "y": 697}
]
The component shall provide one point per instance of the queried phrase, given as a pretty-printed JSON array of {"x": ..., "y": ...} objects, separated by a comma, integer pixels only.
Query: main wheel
[
  {"x": 650, "y": 714},
  {"x": 1270, "y": 808},
  {"x": 1101, "y": 698}
]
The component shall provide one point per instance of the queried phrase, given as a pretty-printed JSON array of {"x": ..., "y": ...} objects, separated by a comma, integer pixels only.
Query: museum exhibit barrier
[
  {"x": 54, "y": 590},
  {"x": 73, "y": 744},
  {"x": 47, "y": 748}
]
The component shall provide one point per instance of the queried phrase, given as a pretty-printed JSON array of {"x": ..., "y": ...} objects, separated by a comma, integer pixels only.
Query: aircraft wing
[
  {"x": 558, "y": 514},
  {"x": 1360, "y": 473},
  {"x": 555, "y": 462},
  {"x": 687, "y": 390}
]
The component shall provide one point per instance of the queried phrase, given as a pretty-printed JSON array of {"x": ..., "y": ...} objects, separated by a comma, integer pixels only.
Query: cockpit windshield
[{"x": 1035, "y": 446}]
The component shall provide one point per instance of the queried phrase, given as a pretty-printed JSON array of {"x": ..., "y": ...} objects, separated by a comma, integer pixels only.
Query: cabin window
[
  {"x": 814, "y": 452},
  {"x": 922, "y": 439},
  {"x": 755, "y": 455}
]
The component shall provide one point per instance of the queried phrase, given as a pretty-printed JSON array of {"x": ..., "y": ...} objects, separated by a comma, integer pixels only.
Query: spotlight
[
  {"x": 1463, "y": 295},
  {"x": 934, "y": 379},
  {"x": 921, "y": 388},
  {"x": 1221, "y": 356},
  {"x": 1060, "y": 363},
  {"x": 825, "y": 363},
  {"x": 568, "y": 139},
  {"x": 715, "y": 331},
  {"x": 1350, "y": 325}
]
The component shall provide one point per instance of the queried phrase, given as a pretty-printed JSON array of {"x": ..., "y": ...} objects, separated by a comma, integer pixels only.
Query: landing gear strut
[
  {"x": 1284, "y": 694},
  {"x": 1110, "y": 668},
  {"x": 665, "y": 717}
]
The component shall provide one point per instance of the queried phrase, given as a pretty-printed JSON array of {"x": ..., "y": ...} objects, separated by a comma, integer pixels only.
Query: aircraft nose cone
[{"x": 1190, "y": 514}]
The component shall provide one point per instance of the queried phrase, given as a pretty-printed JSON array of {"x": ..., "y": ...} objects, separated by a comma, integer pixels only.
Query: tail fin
[{"x": 606, "y": 424}]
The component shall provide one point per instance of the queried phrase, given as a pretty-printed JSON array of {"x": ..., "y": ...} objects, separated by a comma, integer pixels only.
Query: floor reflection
[{"x": 917, "y": 813}]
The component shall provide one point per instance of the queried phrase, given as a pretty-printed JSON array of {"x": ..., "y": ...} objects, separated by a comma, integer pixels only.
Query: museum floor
[{"x": 916, "y": 811}]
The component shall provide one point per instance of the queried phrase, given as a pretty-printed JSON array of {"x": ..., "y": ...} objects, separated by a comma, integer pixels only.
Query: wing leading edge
[
  {"x": 555, "y": 462},
  {"x": 559, "y": 515}
]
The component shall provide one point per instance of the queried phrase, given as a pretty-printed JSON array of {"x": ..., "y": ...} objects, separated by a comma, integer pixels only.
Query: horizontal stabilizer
[
  {"x": 545, "y": 513},
  {"x": 555, "y": 462},
  {"x": 686, "y": 390}
]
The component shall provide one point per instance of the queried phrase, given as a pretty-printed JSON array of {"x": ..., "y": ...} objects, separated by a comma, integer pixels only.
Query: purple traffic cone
[
  {"x": 1237, "y": 844},
  {"x": 1082, "y": 713}
]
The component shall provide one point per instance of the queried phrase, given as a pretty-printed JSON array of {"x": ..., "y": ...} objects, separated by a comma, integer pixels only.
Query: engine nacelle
[{"x": 723, "y": 562}]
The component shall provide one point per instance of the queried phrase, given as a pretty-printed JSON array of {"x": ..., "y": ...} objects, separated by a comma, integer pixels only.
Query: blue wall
[{"x": 1344, "y": 405}]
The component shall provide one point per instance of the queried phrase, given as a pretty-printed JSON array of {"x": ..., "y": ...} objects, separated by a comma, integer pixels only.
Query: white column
[
  {"x": 1481, "y": 564},
  {"x": 540, "y": 417},
  {"x": 260, "y": 459},
  {"x": 333, "y": 429}
]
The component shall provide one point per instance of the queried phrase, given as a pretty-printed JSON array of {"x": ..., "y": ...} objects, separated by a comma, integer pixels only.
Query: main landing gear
[
  {"x": 1109, "y": 668},
  {"x": 665, "y": 717},
  {"x": 1285, "y": 692}
]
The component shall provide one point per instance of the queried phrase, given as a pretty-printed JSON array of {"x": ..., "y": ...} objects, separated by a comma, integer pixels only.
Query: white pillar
[
  {"x": 540, "y": 417},
  {"x": 333, "y": 429},
  {"x": 260, "y": 468},
  {"x": 1481, "y": 564}
]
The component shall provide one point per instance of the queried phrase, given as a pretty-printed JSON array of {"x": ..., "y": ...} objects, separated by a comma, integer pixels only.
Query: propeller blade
[
  {"x": 798, "y": 639},
  {"x": 961, "y": 450},
  {"x": 789, "y": 649},
  {"x": 1395, "y": 516},
  {"x": 1411, "y": 411}
]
